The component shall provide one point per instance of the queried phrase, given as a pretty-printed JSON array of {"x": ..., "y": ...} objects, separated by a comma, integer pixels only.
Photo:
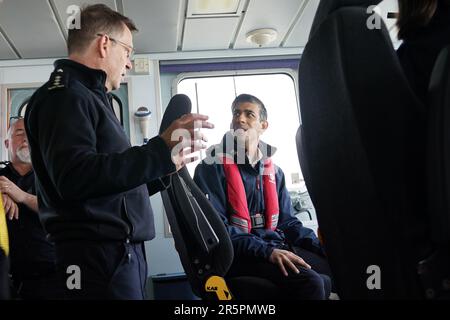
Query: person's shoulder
[
  {"x": 279, "y": 173},
  {"x": 59, "y": 84},
  {"x": 276, "y": 167},
  {"x": 58, "y": 87},
  {"x": 211, "y": 163},
  {"x": 212, "y": 156},
  {"x": 56, "y": 101},
  {"x": 61, "y": 81}
]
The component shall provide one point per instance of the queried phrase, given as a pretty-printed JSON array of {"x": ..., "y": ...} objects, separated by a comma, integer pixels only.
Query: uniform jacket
[{"x": 90, "y": 182}]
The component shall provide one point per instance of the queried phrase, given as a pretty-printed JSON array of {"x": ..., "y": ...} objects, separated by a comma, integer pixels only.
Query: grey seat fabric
[
  {"x": 362, "y": 148},
  {"x": 201, "y": 238}
]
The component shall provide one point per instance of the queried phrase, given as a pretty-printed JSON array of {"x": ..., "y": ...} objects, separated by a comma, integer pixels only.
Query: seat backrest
[
  {"x": 362, "y": 151},
  {"x": 435, "y": 270},
  {"x": 325, "y": 8},
  {"x": 200, "y": 236},
  {"x": 439, "y": 155}
]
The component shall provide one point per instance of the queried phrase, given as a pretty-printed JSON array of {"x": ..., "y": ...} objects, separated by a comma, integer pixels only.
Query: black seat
[
  {"x": 362, "y": 149},
  {"x": 200, "y": 236},
  {"x": 435, "y": 271}
]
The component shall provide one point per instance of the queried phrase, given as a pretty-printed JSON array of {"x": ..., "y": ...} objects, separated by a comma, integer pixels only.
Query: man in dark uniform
[
  {"x": 32, "y": 256},
  {"x": 92, "y": 185},
  {"x": 250, "y": 194}
]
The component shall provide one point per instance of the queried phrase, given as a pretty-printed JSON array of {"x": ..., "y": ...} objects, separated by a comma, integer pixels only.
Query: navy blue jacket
[
  {"x": 90, "y": 182},
  {"x": 260, "y": 242}
]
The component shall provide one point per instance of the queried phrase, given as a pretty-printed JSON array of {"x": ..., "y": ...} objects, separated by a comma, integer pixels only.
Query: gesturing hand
[{"x": 183, "y": 138}]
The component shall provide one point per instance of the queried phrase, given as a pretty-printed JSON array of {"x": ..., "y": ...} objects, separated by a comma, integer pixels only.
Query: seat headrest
[
  {"x": 327, "y": 7},
  {"x": 178, "y": 106}
]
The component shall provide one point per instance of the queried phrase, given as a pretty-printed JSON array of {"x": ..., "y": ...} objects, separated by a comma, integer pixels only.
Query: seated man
[
  {"x": 250, "y": 194},
  {"x": 32, "y": 256}
]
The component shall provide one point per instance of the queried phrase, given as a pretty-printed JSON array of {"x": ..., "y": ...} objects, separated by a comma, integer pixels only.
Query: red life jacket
[{"x": 240, "y": 216}]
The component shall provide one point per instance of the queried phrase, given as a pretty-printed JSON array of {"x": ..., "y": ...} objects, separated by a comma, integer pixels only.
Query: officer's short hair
[
  {"x": 243, "y": 98},
  {"x": 96, "y": 19}
]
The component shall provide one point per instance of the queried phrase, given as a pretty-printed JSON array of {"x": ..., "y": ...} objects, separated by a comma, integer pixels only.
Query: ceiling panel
[
  {"x": 5, "y": 50},
  {"x": 209, "y": 33},
  {"x": 157, "y": 22},
  {"x": 276, "y": 14},
  {"x": 32, "y": 28},
  {"x": 300, "y": 33},
  {"x": 62, "y": 6},
  {"x": 35, "y": 32}
]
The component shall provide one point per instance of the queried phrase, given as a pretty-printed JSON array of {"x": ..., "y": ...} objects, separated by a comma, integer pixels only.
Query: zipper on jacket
[{"x": 260, "y": 197}]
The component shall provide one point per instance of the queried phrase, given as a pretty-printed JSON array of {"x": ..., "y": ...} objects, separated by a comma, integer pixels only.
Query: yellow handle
[
  {"x": 217, "y": 284},
  {"x": 4, "y": 240}
]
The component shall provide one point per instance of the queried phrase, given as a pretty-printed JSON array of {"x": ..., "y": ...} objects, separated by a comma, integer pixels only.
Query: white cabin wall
[{"x": 17, "y": 74}]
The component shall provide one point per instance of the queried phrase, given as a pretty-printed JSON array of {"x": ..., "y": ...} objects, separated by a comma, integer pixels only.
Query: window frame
[{"x": 293, "y": 74}]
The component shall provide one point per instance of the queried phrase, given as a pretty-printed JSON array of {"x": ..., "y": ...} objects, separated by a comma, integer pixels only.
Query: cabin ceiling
[{"x": 37, "y": 28}]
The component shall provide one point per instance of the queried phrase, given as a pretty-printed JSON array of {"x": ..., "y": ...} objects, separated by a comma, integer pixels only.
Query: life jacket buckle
[{"x": 258, "y": 221}]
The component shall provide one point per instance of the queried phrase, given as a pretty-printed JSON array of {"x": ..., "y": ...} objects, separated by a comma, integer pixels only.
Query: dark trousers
[
  {"x": 309, "y": 284},
  {"x": 107, "y": 270},
  {"x": 37, "y": 287},
  {"x": 319, "y": 264},
  {"x": 4, "y": 281}
]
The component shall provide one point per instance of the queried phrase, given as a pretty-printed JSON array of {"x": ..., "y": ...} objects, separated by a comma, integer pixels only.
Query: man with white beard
[{"x": 32, "y": 256}]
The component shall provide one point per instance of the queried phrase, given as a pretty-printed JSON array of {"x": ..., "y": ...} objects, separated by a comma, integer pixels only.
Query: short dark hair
[
  {"x": 96, "y": 19},
  {"x": 416, "y": 14},
  {"x": 243, "y": 98}
]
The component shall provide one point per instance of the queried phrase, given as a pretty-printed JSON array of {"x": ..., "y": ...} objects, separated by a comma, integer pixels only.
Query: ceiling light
[
  {"x": 213, "y": 7},
  {"x": 262, "y": 37}
]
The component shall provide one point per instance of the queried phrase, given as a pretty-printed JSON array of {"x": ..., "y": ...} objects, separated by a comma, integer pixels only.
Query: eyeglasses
[{"x": 130, "y": 49}]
